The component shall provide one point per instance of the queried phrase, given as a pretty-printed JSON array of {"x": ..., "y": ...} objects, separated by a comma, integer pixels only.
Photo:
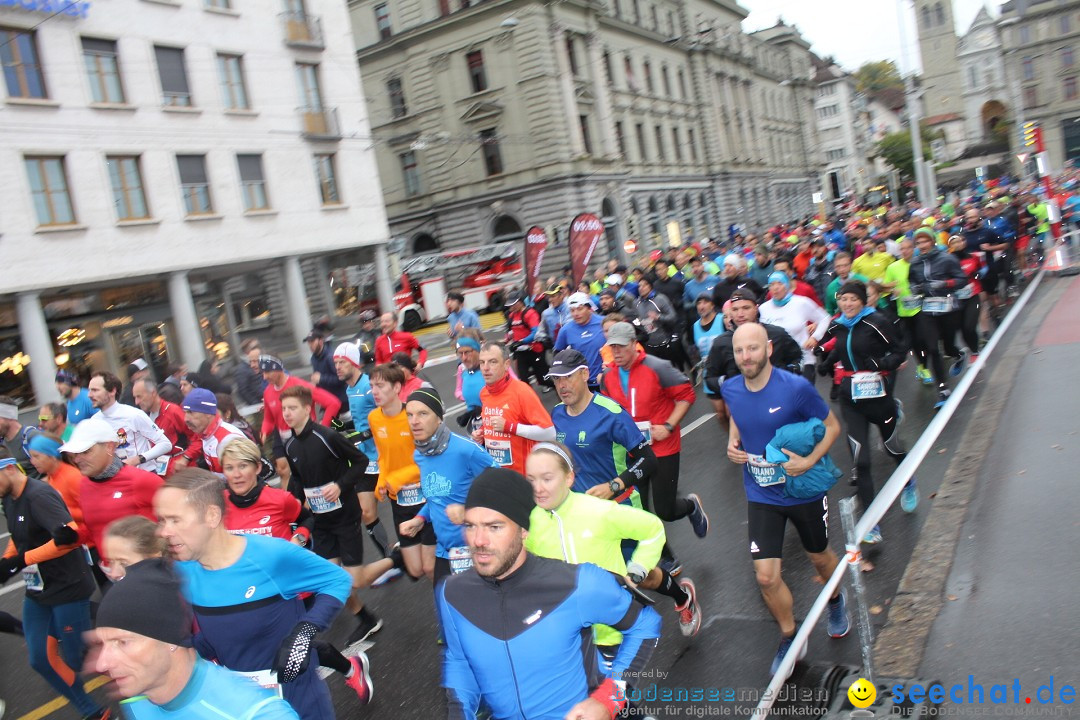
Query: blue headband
[
  {"x": 780, "y": 278},
  {"x": 44, "y": 445},
  {"x": 6, "y": 462},
  {"x": 468, "y": 342}
]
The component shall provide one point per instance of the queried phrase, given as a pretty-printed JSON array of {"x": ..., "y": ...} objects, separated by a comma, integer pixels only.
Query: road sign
[
  {"x": 630, "y": 247},
  {"x": 817, "y": 198},
  {"x": 1022, "y": 157}
]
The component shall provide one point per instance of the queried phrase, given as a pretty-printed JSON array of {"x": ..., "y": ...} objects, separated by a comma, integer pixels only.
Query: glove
[
  {"x": 10, "y": 566},
  {"x": 294, "y": 653},
  {"x": 65, "y": 535},
  {"x": 466, "y": 417},
  {"x": 636, "y": 572},
  {"x": 824, "y": 369}
]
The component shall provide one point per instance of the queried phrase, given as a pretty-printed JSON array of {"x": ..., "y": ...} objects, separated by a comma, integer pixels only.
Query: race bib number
[
  {"x": 937, "y": 304},
  {"x": 318, "y": 503},
  {"x": 32, "y": 578},
  {"x": 646, "y": 429},
  {"x": 372, "y": 467},
  {"x": 410, "y": 495},
  {"x": 964, "y": 293},
  {"x": 867, "y": 386},
  {"x": 161, "y": 465},
  {"x": 460, "y": 559},
  {"x": 765, "y": 473},
  {"x": 500, "y": 451},
  {"x": 911, "y": 302},
  {"x": 263, "y": 678}
]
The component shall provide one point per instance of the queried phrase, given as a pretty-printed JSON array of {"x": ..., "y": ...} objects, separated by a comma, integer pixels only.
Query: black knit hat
[
  {"x": 855, "y": 287},
  {"x": 148, "y": 601},
  {"x": 430, "y": 397},
  {"x": 503, "y": 491}
]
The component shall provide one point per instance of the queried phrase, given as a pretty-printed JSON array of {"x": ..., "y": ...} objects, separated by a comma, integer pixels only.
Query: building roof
[
  {"x": 944, "y": 118},
  {"x": 892, "y": 98},
  {"x": 1020, "y": 6}
]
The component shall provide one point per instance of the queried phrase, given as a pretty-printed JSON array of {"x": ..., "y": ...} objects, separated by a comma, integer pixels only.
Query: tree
[
  {"x": 878, "y": 75},
  {"x": 895, "y": 149}
]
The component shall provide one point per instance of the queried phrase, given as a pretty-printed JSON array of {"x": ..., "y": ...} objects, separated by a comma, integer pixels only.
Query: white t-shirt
[
  {"x": 136, "y": 434},
  {"x": 794, "y": 316}
]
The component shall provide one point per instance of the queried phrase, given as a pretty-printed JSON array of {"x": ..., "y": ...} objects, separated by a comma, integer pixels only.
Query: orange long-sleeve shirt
[
  {"x": 66, "y": 479},
  {"x": 394, "y": 442}
]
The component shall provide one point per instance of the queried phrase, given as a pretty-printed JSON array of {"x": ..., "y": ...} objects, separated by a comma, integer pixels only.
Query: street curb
[{"x": 920, "y": 595}]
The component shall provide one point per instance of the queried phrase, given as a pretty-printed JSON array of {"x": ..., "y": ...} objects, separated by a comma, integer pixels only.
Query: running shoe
[
  {"x": 899, "y": 412},
  {"x": 959, "y": 364},
  {"x": 924, "y": 375},
  {"x": 909, "y": 497},
  {"x": 785, "y": 645},
  {"x": 671, "y": 566},
  {"x": 839, "y": 621},
  {"x": 874, "y": 536},
  {"x": 360, "y": 680},
  {"x": 387, "y": 577},
  {"x": 690, "y": 613},
  {"x": 973, "y": 359},
  {"x": 698, "y": 519},
  {"x": 943, "y": 397},
  {"x": 367, "y": 625}
]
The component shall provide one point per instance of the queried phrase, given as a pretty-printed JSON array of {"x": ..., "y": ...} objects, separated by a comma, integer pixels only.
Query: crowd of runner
[{"x": 218, "y": 540}]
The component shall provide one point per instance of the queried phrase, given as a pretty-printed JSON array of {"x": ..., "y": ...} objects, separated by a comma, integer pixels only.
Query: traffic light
[{"x": 1031, "y": 134}]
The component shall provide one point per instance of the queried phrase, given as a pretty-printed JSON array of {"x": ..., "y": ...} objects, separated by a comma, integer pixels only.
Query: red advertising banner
[
  {"x": 535, "y": 244},
  {"x": 585, "y": 231}
]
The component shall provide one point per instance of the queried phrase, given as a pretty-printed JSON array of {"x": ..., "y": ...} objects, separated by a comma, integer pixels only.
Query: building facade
[
  {"x": 1041, "y": 41},
  {"x": 659, "y": 116},
  {"x": 981, "y": 64},
  {"x": 178, "y": 174},
  {"x": 941, "y": 84},
  {"x": 843, "y": 131}
]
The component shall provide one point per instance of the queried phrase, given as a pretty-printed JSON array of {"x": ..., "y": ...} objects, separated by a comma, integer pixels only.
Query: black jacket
[
  {"x": 936, "y": 273},
  {"x": 723, "y": 289},
  {"x": 875, "y": 344},
  {"x": 318, "y": 456},
  {"x": 721, "y": 364}
]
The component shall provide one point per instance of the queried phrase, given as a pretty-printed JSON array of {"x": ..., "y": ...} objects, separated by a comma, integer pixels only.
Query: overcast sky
[{"x": 855, "y": 31}]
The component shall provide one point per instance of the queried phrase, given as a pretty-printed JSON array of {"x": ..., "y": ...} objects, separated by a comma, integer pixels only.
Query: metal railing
[
  {"x": 302, "y": 30},
  {"x": 319, "y": 122}
]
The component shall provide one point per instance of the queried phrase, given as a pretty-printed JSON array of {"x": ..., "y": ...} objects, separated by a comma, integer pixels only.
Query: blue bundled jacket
[{"x": 801, "y": 438}]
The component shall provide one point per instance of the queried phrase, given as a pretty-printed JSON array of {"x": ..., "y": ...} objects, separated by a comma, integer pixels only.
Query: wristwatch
[
  {"x": 142, "y": 460},
  {"x": 670, "y": 427},
  {"x": 616, "y": 486}
]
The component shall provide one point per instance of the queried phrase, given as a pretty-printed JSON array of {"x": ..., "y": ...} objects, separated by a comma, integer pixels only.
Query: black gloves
[
  {"x": 467, "y": 417},
  {"x": 294, "y": 653},
  {"x": 10, "y": 566},
  {"x": 65, "y": 535}
]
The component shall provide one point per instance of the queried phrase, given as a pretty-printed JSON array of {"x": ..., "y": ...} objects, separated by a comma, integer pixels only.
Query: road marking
[
  {"x": 53, "y": 705},
  {"x": 12, "y": 588},
  {"x": 696, "y": 424}
]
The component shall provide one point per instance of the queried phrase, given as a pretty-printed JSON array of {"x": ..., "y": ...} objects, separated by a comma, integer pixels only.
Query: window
[
  {"x": 927, "y": 21},
  {"x": 382, "y": 21},
  {"x": 489, "y": 143},
  {"x": 307, "y": 76},
  {"x": 1027, "y": 66},
  {"x": 22, "y": 67},
  {"x": 646, "y": 70},
  {"x": 103, "y": 70},
  {"x": 637, "y": 12},
  {"x": 655, "y": 19},
  {"x": 608, "y": 74},
  {"x": 939, "y": 14},
  {"x": 233, "y": 90},
  {"x": 1065, "y": 24},
  {"x": 631, "y": 80},
  {"x": 682, "y": 84},
  {"x": 833, "y": 155},
  {"x": 173, "y": 75},
  {"x": 397, "y": 97},
  {"x": 444, "y": 8},
  {"x": 972, "y": 80},
  {"x": 127, "y": 187},
  {"x": 1067, "y": 59},
  {"x": 477, "y": 77},
  {"x": 218, "y": 4},
  {"x": 252, "y": 182},
  {"x": 665, "y": 79},
  {"x": 328, "y": 187},
  {"x": 1031, "y": 97},
  {"x": 49, "y": 191},
  {"x": 586, "y": 141},
  {"x": 1023, "y": 34},
  {"x": 659, "y": 142},
  {"x": 571, "y": 55},
  {"x": 620, "y": 139},
  {"x": 194, "y": 184},
  {"x": 618, "y": 9},
  {"x": 1070, "y": 88},
  {"x": 642, "y": 153},
  {"x": 675, "y": 144},
  {"x": 692, "y": 142},
  {"x": 672, "y": 29},
  {"x": 410, "y": 173}
]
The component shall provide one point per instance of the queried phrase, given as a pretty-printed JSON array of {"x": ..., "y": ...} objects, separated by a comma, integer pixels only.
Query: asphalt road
[{"x": 738, "y": 637}]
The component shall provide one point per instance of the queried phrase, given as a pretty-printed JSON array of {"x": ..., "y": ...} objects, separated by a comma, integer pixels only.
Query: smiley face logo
[{"x": 862, "y": 693}]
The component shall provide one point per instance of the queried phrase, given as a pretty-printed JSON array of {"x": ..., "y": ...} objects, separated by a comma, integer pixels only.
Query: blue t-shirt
[
  {"x": 587, "y": 339},
  {"x": 598, "y": 439},
  {"x": 787, "y": 398},
  {"x": 703, "y": 339},
  {"x": 361, "y": 403},
  {"x": 472, "y": 382},
  {"x": 468, "y": 318},
  {"x": 695, "y": 287},
  {"x": 79, "y": 408},
  {"x": 445, "y": 480}
]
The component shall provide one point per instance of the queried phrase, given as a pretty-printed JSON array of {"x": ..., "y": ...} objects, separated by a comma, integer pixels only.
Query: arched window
[
  {"x": 424, "y": 243},
  {"x": 926, "y": 19},
  {"x": 939, "y": 14},
  {"x": 506, "y": 229}
]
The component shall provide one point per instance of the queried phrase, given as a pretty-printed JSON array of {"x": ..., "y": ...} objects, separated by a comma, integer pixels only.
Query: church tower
[{"x": 941, "y": 83}]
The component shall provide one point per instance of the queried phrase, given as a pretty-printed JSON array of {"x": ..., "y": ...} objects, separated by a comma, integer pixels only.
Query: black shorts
[
  {"x": 367, "y": 483},
  {"x": 340, "y": 541},
  {"x": 767, "y": 524},
  {"x": 408, "y": 512}
]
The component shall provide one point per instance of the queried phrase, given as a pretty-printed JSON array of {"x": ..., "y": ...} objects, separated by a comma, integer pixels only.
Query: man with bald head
[{"x": 762, "y": 400}]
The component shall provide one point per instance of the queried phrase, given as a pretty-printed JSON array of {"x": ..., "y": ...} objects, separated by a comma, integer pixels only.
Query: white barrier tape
[{"x": 887, "y": 496}]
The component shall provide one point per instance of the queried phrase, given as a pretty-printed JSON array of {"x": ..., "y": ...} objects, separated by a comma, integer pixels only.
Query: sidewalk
[{"x": 1012, "y": 587}]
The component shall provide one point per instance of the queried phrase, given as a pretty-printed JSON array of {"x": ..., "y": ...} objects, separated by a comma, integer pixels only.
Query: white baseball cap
[
  {"x": 87, "y": 434},
  {"x": 579, "y": 298}
]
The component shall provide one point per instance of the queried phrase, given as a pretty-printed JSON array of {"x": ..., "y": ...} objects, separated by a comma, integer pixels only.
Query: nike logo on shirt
[{"x": 772, "y": 410}]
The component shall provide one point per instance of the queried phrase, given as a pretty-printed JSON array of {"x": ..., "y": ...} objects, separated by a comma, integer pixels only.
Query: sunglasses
[{"x": 44, "y": 418}]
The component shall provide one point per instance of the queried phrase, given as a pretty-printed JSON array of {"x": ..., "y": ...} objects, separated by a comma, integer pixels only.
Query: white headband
[
  {"x": 555, "y": 449},
  {"x": 8, "y": 412}
]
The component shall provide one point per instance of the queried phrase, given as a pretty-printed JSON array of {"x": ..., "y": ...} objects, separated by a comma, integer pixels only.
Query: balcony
[
  {"x": 303, "y": 31},
  {"x": 319, "y": 123}
]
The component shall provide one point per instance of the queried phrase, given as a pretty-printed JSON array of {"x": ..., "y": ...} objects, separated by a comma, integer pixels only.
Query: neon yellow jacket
[{"x": 586, "y": 529}]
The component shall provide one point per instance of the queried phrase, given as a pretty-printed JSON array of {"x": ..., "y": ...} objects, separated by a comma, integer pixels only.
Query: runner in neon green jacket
[{"x": 579, "y": 528}]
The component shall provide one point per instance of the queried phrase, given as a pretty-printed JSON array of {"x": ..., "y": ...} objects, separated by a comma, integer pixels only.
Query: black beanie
[
  {"x": 148, "y": 601},
  {"x": 430, "y": 397},
  {"x": 854, "y": 287},
  {"x": 503, "y": 491}
]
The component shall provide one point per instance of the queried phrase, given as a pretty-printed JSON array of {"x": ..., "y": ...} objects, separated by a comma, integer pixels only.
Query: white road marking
[{"x": 697, "y": 423}]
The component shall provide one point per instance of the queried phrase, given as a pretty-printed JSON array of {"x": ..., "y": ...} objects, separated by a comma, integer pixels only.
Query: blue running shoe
[
  {"x": 943, "y": 397},
  {"x": 924, "y": 375},
  {"x": 873, "y": 537},
  {"x": 959, "y": 364},
  {"x": 839, "y": 622},
  {"x": 899, "y": 412},
  {"x": 785, "y": 645},
  {"x": 697, "y": 517},
  {"x": 909, "y": 497}
]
